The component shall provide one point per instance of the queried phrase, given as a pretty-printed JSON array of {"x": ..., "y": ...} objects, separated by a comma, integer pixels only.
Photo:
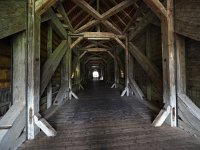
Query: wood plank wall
[
  {"x": 155, "y": 57},
  {"x": 5, "y": 74},
  {"x": 193, "y": 70}
]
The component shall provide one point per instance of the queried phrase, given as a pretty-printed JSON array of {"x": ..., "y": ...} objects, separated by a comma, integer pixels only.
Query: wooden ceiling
[
  {"x": 106, "y": 16},
  {"x": 101, "y": 15}
]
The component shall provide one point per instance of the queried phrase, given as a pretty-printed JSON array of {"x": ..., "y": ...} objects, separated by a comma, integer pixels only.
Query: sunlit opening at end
[{"x": 95, "y": 74}]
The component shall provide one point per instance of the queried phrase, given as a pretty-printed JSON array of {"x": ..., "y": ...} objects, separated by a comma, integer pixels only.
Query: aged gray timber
[
  {"x": 33, "y": 72},
  {"x": 51, "y": 64},
  {"x": 12, "y": 21}
]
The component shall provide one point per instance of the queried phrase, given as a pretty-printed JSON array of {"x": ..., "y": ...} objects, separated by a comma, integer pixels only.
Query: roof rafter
[{"x": 89, "y": 9}]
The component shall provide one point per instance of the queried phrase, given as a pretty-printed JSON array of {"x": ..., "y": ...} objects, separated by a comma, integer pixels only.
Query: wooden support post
[
  {"x": 169, "y": 59},
  {"x": 126, "y": 91},
  {"x": 69, "y": 56},
  {"x": 116, "y": 69},
  {"x": 148, "y": 54},
  {"x": 49, "y": 52},
  {"x": 167, "y": 25},
  {"x": 33, "y": 89}
]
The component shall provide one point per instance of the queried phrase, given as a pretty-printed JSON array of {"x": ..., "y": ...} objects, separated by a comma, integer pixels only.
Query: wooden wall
[
  {"x": 193, "y": 70},
  {"x": 5, "y": 74},
  {"x": 154, "y": 54}
]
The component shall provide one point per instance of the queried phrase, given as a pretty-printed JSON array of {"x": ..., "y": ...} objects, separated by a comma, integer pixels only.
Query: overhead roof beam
[
  {"x": 117, "y": 8},
  {"x": 65, "y": 16},
  {"x": 157, "y": 7}
]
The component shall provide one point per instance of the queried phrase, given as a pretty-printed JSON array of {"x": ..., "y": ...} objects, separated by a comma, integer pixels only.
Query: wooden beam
[
  {"x": 126, "y": 90},
  {"x": 81, "y": 21},
  {"x": 96, "y": 49},
  {"x": 141, "y": 26},
  {"x": 101, "y": 35},
  {"x": 157, "y": 7},
  {"x": 85, "y": 6},
  {"x": 78, "y": 40},
  {"x": 120, "y": 42},
  {"x": 57, "y": 25},
  {"x": 51, "y": 64},
  {"x": 147, "y": 66},
  {"x": 49, "y": 53},
  {"x": 135, "y": 16},
  {"x": 15, "y": 117},
  {"x": 189, "y": 112},
  {"x": 121, "y": 65},
  {"x": 169, "y": 59},
  {"x": 117, "y": 8},
  {"x": 111, "y": 27},
  {"x": 44, "y": 125},
  {"x": 42, "y": 5},
  {"x": 125, "y": 13},
  {"x": 65, "y": 16},
  {"x": 12, "y": 21},
  {"x": 87, "y": 26},
  {"x": 162, "y": 116},
  {"x": 33, "y": 72}
]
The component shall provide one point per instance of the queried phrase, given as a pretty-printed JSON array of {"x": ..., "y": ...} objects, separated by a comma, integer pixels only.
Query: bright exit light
[{"x": 95, "y": 74}]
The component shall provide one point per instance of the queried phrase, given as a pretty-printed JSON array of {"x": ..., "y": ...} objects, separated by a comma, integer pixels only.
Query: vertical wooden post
[
  {"x": 33, "y": 72},
  {"x": 116, "y": 70},
  {"x": 148, "y": 54},
  {"x": 19, "y": 68},
  {"x": 169, "y": 66},
  {"x": 127, "y": 67},
  {"x": 126, "y": 91},
  {"x": 49, "y": 52},
  {"x": 69, "y": 65},
  {"x": 181, "y": 70}
]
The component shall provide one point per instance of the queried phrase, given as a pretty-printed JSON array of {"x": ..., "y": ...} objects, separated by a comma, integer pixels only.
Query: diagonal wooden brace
[{"x": 44, "y": 125}]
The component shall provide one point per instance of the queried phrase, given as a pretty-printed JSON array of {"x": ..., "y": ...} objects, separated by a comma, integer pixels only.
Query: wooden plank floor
[{"x": 102, "y": 120}]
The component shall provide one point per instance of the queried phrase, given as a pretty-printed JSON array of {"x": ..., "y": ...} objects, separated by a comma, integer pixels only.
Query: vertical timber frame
[
  {"x": 69, "y": 59},
  {"x": 49, "y": 52},
  {"x": 34, "y": 120},
  {"x": 166, "y": 16},
  {"x": 126, "y": 90},
  {"x": 116, "y": 73},
  {"x": 33, "y": 72}
]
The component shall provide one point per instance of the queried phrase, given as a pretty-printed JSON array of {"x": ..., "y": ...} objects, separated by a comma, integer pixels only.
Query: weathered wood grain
[{"x": 12, "y": 21}]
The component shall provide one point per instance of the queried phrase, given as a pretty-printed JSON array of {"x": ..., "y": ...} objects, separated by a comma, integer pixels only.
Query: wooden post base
[{"x": 125, "y": 92}]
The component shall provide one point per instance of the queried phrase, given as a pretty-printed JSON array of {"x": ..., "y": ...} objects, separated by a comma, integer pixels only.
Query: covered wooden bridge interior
[{"x": 146, "y": 92}]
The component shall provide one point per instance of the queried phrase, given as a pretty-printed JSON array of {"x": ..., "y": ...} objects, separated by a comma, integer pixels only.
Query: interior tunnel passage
[
  {"x": 102, "y": 119},
  {"x": 99, "y": 74}
]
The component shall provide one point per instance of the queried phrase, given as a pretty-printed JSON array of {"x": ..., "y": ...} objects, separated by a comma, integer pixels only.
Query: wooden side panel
[
  {"x": 139, "y": 74},
  {"x": 193, "y": 70}
]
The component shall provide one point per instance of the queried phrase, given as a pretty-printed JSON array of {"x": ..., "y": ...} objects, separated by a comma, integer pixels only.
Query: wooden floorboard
[{"x": 102, "y": 120}]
